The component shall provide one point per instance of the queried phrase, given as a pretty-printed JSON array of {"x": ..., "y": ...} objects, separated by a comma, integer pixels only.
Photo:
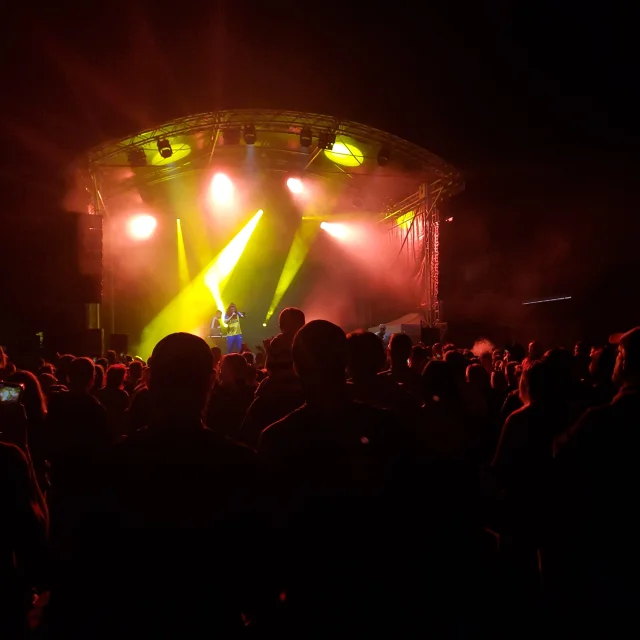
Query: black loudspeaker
[
  {"x": 429, "y": 335},
  {"x": 93, "y": 343},
  {"x": 89, "y": 230},
  {"x": 119, "y": 342}
]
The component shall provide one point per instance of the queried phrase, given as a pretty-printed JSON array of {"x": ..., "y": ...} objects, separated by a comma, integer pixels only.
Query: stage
[{"x": 266, "y": 209}]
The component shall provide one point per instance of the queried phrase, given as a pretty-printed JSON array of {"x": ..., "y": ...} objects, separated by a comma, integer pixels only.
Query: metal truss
[
  {"x": 420, "y": 245},
  {"x": 420, "y": 248},
  {"x": 283, "y": 122}
]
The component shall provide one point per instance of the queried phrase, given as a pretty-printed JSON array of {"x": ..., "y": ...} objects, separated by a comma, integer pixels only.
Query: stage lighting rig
[
  {"x": 383, "y": 155},
  {"x": 249, "y": 134},
  {"x": 231, "y": 136},
  {"x": 326, "y": 141},
  {"x": 306, "y": 137},
  {"x": 164, "y": 148},
  {"x": 137, "y": 157}
]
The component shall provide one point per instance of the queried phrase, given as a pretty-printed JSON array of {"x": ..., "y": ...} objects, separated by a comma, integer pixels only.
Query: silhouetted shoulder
[
  {"x": 198, "y": 440},
  {"x": 279, "y": 430},
  {"x": 12, "y": 460},
  {"x": 350, "y": 424},
  {"x": 599, "y": 428}
]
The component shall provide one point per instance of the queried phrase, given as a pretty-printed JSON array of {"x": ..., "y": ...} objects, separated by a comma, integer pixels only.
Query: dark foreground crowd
[{"x": 335, "y": 490}]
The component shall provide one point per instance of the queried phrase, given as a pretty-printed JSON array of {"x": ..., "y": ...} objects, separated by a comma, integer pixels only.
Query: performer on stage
[
  {"x": 215, "y": 330},
  {"x": 234, "y": 331}
]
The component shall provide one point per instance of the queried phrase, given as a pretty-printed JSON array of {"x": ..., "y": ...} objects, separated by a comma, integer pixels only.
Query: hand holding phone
[
  {"x": 13, "y": 419},
  {"x": 11, "y": 393}
]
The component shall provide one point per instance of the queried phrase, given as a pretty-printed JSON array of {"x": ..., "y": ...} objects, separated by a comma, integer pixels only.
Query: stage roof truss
[{"x": 414, "y": 167}]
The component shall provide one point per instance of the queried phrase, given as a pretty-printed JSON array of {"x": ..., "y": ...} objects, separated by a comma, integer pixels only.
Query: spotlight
[
  {"x": 142, "y": 226},
  {"x": 264, "y": 324},
  {"x": 326, "y": 141},
  {"x": 306, "y": 137},
  {"x": 335, "y": 229},
  {"x": 249, "y": 134},
  {"x": 222, "y": 189},
  {"x": 383, "y": 155},
  {"x": 137, "y": 157},
  {"x": 449, "y": 219},
  {"x": 165, "y": 148},
  {"x": 295, "y": 185}
]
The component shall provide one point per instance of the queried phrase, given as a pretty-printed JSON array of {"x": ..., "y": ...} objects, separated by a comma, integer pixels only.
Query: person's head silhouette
[
  {"x": 627, "y": 368},
  {"x": 291, "y": 320},
  {"x": 400, "y": 347},
  {"x": 320, "y": 357},
  {"x": 81, "y": 374},
  {"x": 365, "y": 355},
  {"x": 181, "y": 377}
]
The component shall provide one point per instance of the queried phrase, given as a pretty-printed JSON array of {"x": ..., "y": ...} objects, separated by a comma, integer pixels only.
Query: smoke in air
[{"x": 482, "y": 345}]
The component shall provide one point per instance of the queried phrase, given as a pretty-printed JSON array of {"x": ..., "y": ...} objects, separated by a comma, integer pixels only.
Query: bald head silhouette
[
  {"x": 181, "y": 373},
  {"x": 320, "y": 353}
]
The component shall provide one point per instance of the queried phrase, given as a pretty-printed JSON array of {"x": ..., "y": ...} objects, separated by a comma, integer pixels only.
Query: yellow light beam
[
  {"x": 191, "y": 310},
  {"x": 298, "y": 251},
  {"x": 183, "y": 265},
  {"x": 218, "y": 273}
]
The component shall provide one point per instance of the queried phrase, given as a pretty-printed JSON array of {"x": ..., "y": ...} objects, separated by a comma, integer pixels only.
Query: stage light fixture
[
  {"x": 335, "y": 229},
  {"x": 449, "y": 219},
  {"x": 326, "y": 141},
  {"x": 222, "y": 189},
  {"x": 295, "y": 185},
  {"x": 383, "y": 155},
  {"x": 264, "y": 324},
  {"x": 137, "y": 157},
  {"x": 306, "y": 137},
  {"x": 345, "y": 154},
  {"x": 249, "y": 134},
  {"x": 164, "y": 148},
  {"x": 142, "y": 226}
]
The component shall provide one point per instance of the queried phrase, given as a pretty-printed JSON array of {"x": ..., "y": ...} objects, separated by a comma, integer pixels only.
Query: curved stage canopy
[
  {"x": 173, "y": 196},
  {"x": 378, "y": 169}
]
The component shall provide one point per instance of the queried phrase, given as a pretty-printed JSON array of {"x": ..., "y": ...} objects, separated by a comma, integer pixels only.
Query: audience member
[
  {"x": 369, "y": 495},
  {"x": 115, "y": 399},
  {"x": 400, "y": 350},
  {"x": 167, "y": 551}
]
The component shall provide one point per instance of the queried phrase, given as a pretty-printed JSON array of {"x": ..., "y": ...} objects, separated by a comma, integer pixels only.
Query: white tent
[{"x": 410, "y": 323}]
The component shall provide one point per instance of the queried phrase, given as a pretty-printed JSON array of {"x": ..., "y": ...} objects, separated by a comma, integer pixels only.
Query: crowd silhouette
[{"x": 329, "y": 486}]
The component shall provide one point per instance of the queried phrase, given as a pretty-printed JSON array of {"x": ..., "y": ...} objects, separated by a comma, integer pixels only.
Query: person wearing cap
[{"x": 597, "y": 528}]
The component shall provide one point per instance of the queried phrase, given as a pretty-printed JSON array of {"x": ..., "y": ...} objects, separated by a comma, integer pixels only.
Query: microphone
[{"x": 241, "y": 314}]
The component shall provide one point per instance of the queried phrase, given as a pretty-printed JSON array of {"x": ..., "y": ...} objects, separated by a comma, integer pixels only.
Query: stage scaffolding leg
[
  {"x": 97, "y": 204},
  {"x": 430, "y": 267}
]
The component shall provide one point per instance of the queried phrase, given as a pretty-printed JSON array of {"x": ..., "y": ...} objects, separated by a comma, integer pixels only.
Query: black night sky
[{"x": 534, "y": 102}]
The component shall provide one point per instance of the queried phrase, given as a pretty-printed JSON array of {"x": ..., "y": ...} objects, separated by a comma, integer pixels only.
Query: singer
[{"x": 234, "y": 331}]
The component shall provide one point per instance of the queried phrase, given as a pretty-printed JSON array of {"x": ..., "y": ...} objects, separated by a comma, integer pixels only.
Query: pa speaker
[
  {"x": 92, "y": 342},
  {"x": 430, "y": 335},
  {"x": 119, "y": 342}
]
